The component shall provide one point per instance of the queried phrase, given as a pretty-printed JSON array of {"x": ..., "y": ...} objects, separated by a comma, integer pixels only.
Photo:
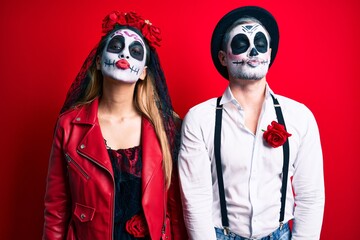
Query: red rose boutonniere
[
  {"x": 137, "y": 226},
  {"x": 276, "y": 135}
]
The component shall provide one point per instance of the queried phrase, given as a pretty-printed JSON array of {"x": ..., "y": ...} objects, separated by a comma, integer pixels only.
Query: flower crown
[{"x": 132, "y": 19}]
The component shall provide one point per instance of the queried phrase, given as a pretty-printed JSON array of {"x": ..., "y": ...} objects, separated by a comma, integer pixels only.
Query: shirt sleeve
[
  {"x": 195, "y": 181},
  {"x": 308, "y": 184}
]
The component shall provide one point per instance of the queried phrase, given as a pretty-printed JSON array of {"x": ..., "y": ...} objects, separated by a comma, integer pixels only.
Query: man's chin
[
  {"x": 251, "y": 76},
  {"x": 256, "y": 74}
]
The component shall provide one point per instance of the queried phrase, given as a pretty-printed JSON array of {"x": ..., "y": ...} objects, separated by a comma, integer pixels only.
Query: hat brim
[{"x": 266, "y": 19}]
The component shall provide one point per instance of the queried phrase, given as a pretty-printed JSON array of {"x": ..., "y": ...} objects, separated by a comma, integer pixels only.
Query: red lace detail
[{"x": 128, "y": 160}]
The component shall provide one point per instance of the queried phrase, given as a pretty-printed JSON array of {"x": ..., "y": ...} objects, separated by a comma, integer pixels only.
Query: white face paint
[
  {"x": 124, "y": 56},
  {"x": 248, "y": 54}
]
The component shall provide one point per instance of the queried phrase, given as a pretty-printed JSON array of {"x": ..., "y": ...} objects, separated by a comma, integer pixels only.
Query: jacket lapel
[
  {"x": 153, "y": 189},
  {"x": 151, "y": 154},
  {"x": 92, "y": 145}
]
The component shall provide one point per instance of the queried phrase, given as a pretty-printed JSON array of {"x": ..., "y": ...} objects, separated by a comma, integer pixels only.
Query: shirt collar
[
  {"x": 268, "y": 92},
  {"x": 229, "y": 97}
]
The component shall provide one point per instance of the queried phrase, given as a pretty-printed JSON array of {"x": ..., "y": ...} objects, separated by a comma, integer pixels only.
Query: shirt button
[
  {"x": 82, "y": 146},
  {"x": 78, "y": 119},
  {"x": 82, "y": 216}
]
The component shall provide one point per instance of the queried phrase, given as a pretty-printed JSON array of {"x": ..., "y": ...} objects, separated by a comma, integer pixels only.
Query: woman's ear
[
  {"x": 98, "y": 62},
  {"x": 143, "y": 74}
]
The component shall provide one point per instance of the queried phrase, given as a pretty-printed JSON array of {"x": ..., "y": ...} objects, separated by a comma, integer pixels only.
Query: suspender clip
[
  {"x": 226, "y": 231},
  {"x": 281, "y": 225}
]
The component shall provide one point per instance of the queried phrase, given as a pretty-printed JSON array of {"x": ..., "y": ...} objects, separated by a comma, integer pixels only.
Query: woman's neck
[
  {"x": 117, "y": 100},
  {"x": 119, "y": 120}
]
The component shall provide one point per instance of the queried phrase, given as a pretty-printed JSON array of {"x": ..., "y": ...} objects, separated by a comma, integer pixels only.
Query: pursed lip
[
  {"x": 253, "y": 62},
  {"x": 122, "y": 64}
]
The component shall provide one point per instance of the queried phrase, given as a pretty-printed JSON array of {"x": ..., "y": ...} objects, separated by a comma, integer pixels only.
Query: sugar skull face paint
[
  {"x": 124, "y": 56},
  {"x": 248, "y": 53}
]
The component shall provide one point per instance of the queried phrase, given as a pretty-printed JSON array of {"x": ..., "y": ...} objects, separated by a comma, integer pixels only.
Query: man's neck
[{"x": 249, "y": 93}]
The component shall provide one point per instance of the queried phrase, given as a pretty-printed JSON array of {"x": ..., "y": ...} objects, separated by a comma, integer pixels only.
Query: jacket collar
[{"x": 87, "y": 113}]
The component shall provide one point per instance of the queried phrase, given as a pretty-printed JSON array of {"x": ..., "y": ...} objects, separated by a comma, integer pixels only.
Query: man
[{"x": 270, "y": 167}]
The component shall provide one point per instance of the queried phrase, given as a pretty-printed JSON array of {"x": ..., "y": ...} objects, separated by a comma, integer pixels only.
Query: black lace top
[{"x": 127, "y": 167}]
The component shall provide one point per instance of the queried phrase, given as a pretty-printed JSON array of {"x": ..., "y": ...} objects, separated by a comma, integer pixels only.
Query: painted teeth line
[
  {"x": 134, "y": 70},
  {"x": 109, "y": 63}
]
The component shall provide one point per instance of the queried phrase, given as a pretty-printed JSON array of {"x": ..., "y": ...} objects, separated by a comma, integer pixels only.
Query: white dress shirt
[{"x": 252, "y": 171}]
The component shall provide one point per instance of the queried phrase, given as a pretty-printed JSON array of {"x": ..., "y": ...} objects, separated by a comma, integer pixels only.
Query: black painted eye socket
[
  {"x": 116, "y": 45},
  {"x": 137, "y": 50},
  {"x": 260, "y": 42},
  {"x": 239, "y": 44}
]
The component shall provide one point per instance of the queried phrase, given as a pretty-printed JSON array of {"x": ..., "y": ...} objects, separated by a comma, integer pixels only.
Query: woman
[{"x": 111, "y": 172}]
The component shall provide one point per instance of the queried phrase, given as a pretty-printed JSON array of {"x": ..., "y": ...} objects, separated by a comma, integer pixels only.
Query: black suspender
[
  {"x": 286, "y": 154},
  {"x": 217, "y": 144}
]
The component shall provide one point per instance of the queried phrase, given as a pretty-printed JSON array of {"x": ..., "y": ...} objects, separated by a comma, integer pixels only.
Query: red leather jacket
[{"x": 79, "y": 199}]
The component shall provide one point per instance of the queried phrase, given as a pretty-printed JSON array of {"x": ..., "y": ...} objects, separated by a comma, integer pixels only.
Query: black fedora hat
[{"x": 266, "y": 19}]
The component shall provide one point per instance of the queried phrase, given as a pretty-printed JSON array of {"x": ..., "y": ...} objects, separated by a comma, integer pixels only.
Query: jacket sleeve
[
  {"x": 57, "y": 201},
  {"x": 178, "y": 230}
]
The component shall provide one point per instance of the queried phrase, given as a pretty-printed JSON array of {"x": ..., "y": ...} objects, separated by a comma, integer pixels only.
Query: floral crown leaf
[{"x": 151, "y": 33}]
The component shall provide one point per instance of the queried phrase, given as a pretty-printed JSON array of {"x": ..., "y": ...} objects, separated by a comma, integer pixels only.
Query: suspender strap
[
  {"x": 217, "y": 144},
  {"x": 286, "y": 153}
]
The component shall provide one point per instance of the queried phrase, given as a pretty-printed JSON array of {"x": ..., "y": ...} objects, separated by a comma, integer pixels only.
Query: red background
[{"x": 43, "y": 44}]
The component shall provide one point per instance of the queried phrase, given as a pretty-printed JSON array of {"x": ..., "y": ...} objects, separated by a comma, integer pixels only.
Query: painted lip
[
  {"x": 253, "y": 62},
  {"x": 239, "y": 62},
  {"x": 122, "y": 64}
]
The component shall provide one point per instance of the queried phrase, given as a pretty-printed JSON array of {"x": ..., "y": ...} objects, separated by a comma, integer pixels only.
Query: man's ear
[
  {"x": 143, "y": 74},
  {"x": 222, "y": 57},
  {"x": 98, "y": 63},
  {"x": 270, "y": 55}
]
